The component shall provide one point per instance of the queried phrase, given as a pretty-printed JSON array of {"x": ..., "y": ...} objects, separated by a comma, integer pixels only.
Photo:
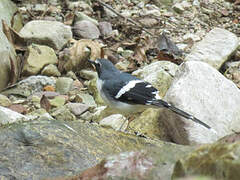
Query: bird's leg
[
  {"x": 123, "y": 124},
  {"x": 130, "y": 119}
]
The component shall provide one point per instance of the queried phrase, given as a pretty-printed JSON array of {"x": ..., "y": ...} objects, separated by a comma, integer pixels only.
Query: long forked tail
[{"x": 161, "y": 103}]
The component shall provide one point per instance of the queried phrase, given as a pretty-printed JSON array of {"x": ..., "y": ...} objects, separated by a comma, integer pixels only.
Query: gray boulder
[
  {"x": 51, "y": 149},
  {"x": 86, "y": 29},
  {"x": 205, "y": 93},
  {"x": 30, "y": 85},
  {"x": 51, "y": 33}
]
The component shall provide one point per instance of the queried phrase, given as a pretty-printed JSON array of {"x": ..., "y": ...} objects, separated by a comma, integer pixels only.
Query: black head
[{"x": 104, "y": 67}]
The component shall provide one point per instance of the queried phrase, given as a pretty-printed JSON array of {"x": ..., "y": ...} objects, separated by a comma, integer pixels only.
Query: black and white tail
[{"x": 161, "y": 103}]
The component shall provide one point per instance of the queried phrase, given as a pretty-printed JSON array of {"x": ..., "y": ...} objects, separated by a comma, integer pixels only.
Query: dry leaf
[
  {"x": 49, "y": 88},
  {"x": 167, "y": 50},
  {"x": 13, "y": 73},
  {"x": 236, "y": 21},
  {"x": 79, "y": 54},
  {"x": 140, "y": 55},
  {"x": 18, "y": 42},
  {"x": 68, "y": 18},
  {"x": 143, "y": 44},
  {"x": 45, "y": 104},
  {"x": 110, "y": 55},
  {"x": 163, "y": 56},
  {"x": 165, "y": 44}
]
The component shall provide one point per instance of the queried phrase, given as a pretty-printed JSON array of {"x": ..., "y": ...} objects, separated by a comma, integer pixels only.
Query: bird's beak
[{"x": 92, "y": 62}]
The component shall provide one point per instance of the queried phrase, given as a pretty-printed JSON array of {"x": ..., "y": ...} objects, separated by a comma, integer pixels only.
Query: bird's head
[{"x": 104, "y": 67}]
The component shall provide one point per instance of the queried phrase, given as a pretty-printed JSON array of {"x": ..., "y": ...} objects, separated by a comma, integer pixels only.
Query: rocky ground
[{"x": 54, "y": 124}]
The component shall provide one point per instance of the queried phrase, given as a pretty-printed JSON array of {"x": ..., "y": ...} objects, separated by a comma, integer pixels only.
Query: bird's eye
[{"x": 97, "y": 63}]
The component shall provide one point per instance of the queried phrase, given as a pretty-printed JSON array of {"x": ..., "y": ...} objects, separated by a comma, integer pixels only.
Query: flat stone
[
  {"x": 77, "y": 108},
  {"x": 88, "y": 74},
  {"x": 202, "y": 91},
  {"x": 72, "y": 75},
  {"x": 50, "y": 33},
  {"x": 85, "y": 99},
  {"x": 63, "y": 114},
  {"x": 86, "y": 29},
  {"x": 181, "y": 7},
  {"x": 38, "y": 57},
  {"x": 79, "y": 16},
  {"x": 115, "y": 121},
  {"x": 30, "y": 85},
  {"x": 58, "y": 101},
  {"x": 51, "y": 70},
  {"x": 105, "y": 28},
  {"x": 215, "y": 48},
  {"x": 64, "y": 85}
]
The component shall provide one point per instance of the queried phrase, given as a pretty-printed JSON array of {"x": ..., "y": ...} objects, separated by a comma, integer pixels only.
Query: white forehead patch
[
  {"x": 127, "y": 87},
  {"x": 149, "y": 86}
]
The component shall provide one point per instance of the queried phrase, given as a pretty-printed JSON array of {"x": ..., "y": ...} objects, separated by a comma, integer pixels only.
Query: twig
[{"x": 128, "y": 19}]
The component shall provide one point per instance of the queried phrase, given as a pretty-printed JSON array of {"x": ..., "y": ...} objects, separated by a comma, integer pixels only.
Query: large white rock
[
  {"x": 50, "y": 33},
  {"x": 7, "y": 116},
  {"x": 215, "y": 48},
  {"x": 202, "y": 91}
]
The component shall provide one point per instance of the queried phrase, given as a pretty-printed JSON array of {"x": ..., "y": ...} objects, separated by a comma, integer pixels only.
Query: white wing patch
[
  {"x": 127, "y": 87},
  {"x": 148, "y": 102},
  {"x": 156, "y": 95}
]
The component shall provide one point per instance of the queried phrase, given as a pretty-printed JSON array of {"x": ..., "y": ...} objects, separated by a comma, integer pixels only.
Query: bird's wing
[
  {"x": 136, "y": 91},
  {"x": 131, "y": 90}
]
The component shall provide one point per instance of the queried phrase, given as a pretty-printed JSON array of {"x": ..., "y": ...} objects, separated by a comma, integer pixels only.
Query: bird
[{"x": 127, "y": 93}]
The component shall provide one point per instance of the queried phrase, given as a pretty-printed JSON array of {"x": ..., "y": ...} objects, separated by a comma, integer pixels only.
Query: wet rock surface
[{"x": 48, "y": 148}]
